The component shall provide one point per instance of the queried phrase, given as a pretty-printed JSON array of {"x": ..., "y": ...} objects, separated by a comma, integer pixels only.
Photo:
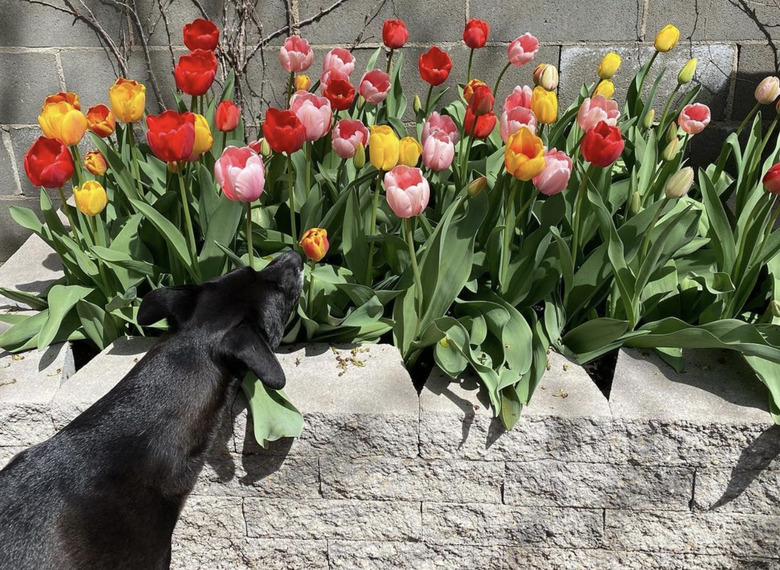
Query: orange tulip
[
  {"x": 315, "y": 243},
  {"x": 524, "y": 154},
  {"x": 95, "y": 163},
  {"x": 100, "y": 120}
]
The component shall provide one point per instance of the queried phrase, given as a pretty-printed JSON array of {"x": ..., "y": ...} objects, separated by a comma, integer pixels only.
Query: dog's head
[{"x": 244, "y": 312}]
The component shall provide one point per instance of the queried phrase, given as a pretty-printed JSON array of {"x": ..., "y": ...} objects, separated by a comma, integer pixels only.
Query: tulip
[
  {"x": 602, "y": 145},
  {"x": 67, "y": 96},
  {"x": 48, "y": 163},
  {"x": 240, "y": 173},
  {"x": 90, "y": 198},
  {"x": 667, "y": 38},
  {"x": 95, "y": 163},
  {"x": 100, "y": 120},
  {"x": 201, "y": 34},
  {"x": 416, "y": 103},
  {"x": 195, "y": 72},
  {"x": 476, "y": 33},
  {"x": 374, "y": 86},
  {"x": 283, "y": 131},
  {"x": 334, "y": 74},
  {"x": 476, "y": 187},
  {"x": 340, "y": 92},
  {"x": 314, "y": 113},
  {"x": 227, "y": 116},
  {"x": 339, "y": 59},
  {"x": 394, "y": 34},
  {"x": 407, "y": 190},
  {"x": 481, "y": 101},
  {"x": 596, "y": 109},
  {"x": 468, "y": 90},
  {"x": 439, "y": 123},
  {"x": 670, "y": 150},
  {"x": 771, "y": 179},
  {"x": 768, "y": 90},
  {"x": 128, "y": 98},
  {"x": 544, "y": 104},
  {"x": 693, "y": 118},
  {"x": 261, "y": 147},
  {"x": 546, "y": 76},
  {"x": 204, "y": 140},
  {"x": 605, "y": 88},
  {"x": 647, "y": 122},
  {"x": 62, "y": 121},
  {"x": 438, "y": 151},
  {"x": 687, "y": 72},
  {"x": 511, "y": 122},
  {"x": 383, "y": 147},
  {"x": 171, "y": 135},
  {"x": 679, "y": 183},
  {"x": 434, "y": 66},
  {"x": 347, "y": 136},
  {"x": 519, "y": 97},
  {"x": 523, "y": 49},
  {"x": 296, "y": 55},
  {"x": 774, "y": 308},
  {"x": 524, "y": 155},
  {"x": 671, "y": 132},
  {"x": 554, "y": 178},
  {"x": 302, "y": 82},
  {"x": 609, "y": 65},
  {"x": 479, "y": 127},
  {"x": 314, "y": 243},
  {"x": 359, "y": 160},
  {"x": 409, "y": 151}
]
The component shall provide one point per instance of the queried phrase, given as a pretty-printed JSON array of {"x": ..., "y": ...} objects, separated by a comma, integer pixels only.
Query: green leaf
[
  {"x": 721, "y": 235},
  {"x": 98, "y": 325},
  {"x": 30, "y": 299},
  {"x": 273, "y": 415},
  {"x": 595, "y": 337},
  {"x": 222, "y": 228},
  {"x": 21, "y": 333},
  {"x": 62, "y": 298},
  {"x": 26, "y": 218}
]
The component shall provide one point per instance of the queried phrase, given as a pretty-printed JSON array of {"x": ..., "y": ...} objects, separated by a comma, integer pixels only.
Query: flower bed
[{"x": 501, "y": 232}]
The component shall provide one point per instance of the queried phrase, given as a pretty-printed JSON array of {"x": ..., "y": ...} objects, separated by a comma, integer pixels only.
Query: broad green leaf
[
  {"x": 273, "y": 415},
  {"x": 61, "y": 298}
]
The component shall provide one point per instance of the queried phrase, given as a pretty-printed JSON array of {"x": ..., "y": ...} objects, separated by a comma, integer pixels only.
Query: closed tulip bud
[
  {"x": 686, "y": 73},
  {"x": 359, "y": 160},
  {"x": 609, "y": 65},
  {"x": 128, "y": 99},
  {"x": 670, "y": 151},
  {"x": 636, "y": 203},
  {"x": 671, "y": 132},
  {"x": 605, "y": 88},
  {"x": 647, "y": 122},
  {"x": 476, "y": 187},
  {"x": 302, "y": 82},
  {"x": 95, "y": 163},
  {"x": 774, "y": 306},
  {"x": 90, "y": 198},
  {"x": 768, "y": 90},
  {"x": 261, "y": 147},
  {"x": 544, "y": 104},
  {"x": 417, "y": 104},
  {"x": 383, "y": 147},
  {"x": 679, "y": 183},
  {"x": 468, "y": 90},
  {"x": 546, "y": 75},
  {"x": 315, "y": 243},
  {"x": 204, "y": 140},
  {"x": 361, "y": 102},
  {"x": 409, "y": 151},
  {"x": 667, "y": 38}
]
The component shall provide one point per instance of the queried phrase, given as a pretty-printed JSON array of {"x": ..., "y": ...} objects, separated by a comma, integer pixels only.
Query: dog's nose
[{"x": 292, "y": 257}]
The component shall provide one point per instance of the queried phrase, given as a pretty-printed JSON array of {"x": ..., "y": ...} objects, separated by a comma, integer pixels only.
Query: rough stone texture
[
  {"x": 272, "y": 554},
  {"x": 23, "y": 93},
  {"x": 31, "y": 269},
  {"x": 198, "y": 520},
  {"x": 752, "y": 491},
  {"x": 755, "y": 62},
  {"x": 346, "y": 555}
]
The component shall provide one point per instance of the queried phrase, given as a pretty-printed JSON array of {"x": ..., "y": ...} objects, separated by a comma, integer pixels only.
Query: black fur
[{"x": 106, "y": 491}]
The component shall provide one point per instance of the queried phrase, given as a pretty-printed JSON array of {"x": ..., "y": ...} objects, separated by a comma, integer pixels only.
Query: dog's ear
[
  {"x": 251, "y": 348},
  {"x": 173, "y": 303}
]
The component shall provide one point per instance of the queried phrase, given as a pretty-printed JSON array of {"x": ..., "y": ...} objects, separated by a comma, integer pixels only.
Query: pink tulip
[
  {"x": 313, "y": 112},
  {"x": 339, "y": 59},
  {"x": 439, "y": 123},
  {"x": 597, "y": 109},
  {"x": 347, "y": 135},
  {"x": 374, "y": 86},
  {"x": 438, "y": 151},
  {"x": 240, "y": 173},
  {"x": 768, "y": 90},
  {"x": 693, "y": 118},
  {"x": 514, "y": 119},
  {"x": 407, "y": 191},
  {"x": 296, "y": 55},
  {"x": 555, "y": 176},
  {"x": 523, "y": 49},
  {"x": 331, "y": 73},
  {"x": 519, "y": 97}
]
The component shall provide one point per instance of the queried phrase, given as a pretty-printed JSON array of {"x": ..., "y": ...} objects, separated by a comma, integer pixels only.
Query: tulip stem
[
  {"x": 249, "y": 249},
  {"x": 769, "y": 228},
  {"x": 389, "y": 61},
  {"x": 307, "y": 146},
  {"x": 418, "y": 293},
  {"x": 310, "y": 294},
  {"x": 748, "y": 118},
  {"x": 290, "y": 87},
  {"x": 647, "y": 70},
  {"x": 500, "y": 77},
  {"x": 661, "y": 125},
  {"x": 646, "y": 241},
  {"x": 372, "y": 229},
  {"x": 69, "y": 214},
  {"x": 134, "y": 154},
  {"x": 577, "y": 214},
  {"x": 96, "y": 241},
  {"x": 340, "y": 174},
  {"x": 468, "y": 71},
  {"x": 509, "y": 229},
  {"x": 428, "y": 98},
  {"x": 525, "y": 206},
  {"x": 293, "y": 228},
  {"x": 185, "y": 203}
]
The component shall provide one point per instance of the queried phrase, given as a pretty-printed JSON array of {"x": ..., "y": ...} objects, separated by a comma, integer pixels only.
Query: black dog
[{"x": 106, "y": 491}]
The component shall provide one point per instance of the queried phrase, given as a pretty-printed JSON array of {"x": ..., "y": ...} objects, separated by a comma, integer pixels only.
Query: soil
[{"x": 602, "y": 371}]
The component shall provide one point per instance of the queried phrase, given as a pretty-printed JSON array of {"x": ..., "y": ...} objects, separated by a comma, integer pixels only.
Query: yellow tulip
[
  {"x": 95, "y": 163},
  {"x": 90, "y": 197},
  {"x": 67, "y": 96},
  {"x": 605, "y": 88},
  {"x": 302, "y": 82},
  {"x": 409, "y": 151},
  {"x": 62, "y": 121},
  {"x": 544, "y": 105},
  {"x": 128, "y": 99},
  {"x": 686, "y": 73},
  {"x": 524, "y": 154},
  {"x": 203, "y": 138},
  {"x": 667, "y": 38},
  {"x": 383, "y": 147},
  {"x": 609, "y": 65}
]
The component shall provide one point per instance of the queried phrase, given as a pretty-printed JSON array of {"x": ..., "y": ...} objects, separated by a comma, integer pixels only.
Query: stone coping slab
[{"x": 33, "y": 268}]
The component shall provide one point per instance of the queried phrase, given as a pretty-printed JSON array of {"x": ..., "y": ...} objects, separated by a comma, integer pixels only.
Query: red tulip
[
  {"x": 171, "y": 135},
  {"x": 602, "y": 145},
  {"x": 481, "y": 101},
  {"x": 100, "y": 120},
  {"x": 394, "y": 34},
  {"x": 48, "y": 163},
  {"x": 340, "y": 92},
  {"x": 227, "y": 116},
  {"x": 772, "y": 179},
  {"x": 435, "y": 66},
  {"x": 479, "y": 127},
  {"x": 201, "y": 34},
  {"x": 283, "y": 131},
  {"x": 195, "y": 72},
  {"x": 476, "y": 33}
]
